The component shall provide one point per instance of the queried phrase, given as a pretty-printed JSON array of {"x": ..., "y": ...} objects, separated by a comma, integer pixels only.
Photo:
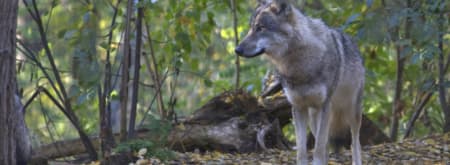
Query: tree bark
[
  {"x": 398, "y": 104},
  {"x": 236, "y": 42},
  {"x": 106, "y": 136},
  {"x": 442, "y": 70},
  {"x": 125, "y": 74},
  {"x": 136, "y": 72},
  {"x": 8, "y": 122}
]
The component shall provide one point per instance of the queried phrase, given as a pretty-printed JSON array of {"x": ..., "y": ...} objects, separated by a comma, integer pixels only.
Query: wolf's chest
[{"x": 306, "y": 96}]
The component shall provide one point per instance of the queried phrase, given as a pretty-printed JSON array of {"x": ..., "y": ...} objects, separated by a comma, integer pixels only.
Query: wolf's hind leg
[
  {"x": 356, "y": 146},
  {"x": 355, "y": 124},
  {"x": 300, "y": 117}
]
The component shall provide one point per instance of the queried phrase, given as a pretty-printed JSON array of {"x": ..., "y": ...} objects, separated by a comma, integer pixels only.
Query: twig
[
  {"x": 28, "y": 102},
  {"x": 172, "y": 99},
  {"x": 48, "y": 121},
  {"x": 151, "y": 103},
  {"x": 236, "y": 42},
  {"x": 154, "y": 73}
]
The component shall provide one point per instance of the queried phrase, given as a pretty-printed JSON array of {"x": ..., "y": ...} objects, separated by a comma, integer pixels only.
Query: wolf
[{"x": 320, "y": 69}]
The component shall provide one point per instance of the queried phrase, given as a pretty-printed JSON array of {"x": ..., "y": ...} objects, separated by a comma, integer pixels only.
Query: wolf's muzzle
[{"x": 241, "y": 52}]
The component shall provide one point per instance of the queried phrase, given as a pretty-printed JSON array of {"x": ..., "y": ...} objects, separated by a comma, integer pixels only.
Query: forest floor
[{"x": 434, "y": 149}]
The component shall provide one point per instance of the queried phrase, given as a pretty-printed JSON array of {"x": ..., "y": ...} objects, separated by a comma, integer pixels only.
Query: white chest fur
[{"x": 306, "y": 96}]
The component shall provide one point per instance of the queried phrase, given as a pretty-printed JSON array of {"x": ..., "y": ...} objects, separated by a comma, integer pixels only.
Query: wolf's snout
[{"x": 239, "y": 50}]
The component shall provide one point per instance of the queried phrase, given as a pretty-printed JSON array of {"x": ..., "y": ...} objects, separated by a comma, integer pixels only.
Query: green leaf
[
  {"x": 74, "y": 90},
  {"x": 86, "y": 17},
  {"x": 82, "y": 98},
  {"x": 69, "y": 34},
  {"x": 104, "y": 45},
  {"x": 184, "y": 39},
  {"x": 207, "y": 82},
  {"x": 61, "y": 33},
  {"x": 352, "y": 19},
  {"x": 369, "y": 3},
  {"x": 416, "y": 58},
  {"x": 114, "y": 95},
  {"x": 141, "y": 4}
]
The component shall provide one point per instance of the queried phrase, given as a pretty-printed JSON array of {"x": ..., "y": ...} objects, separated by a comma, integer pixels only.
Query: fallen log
[
  {"x": 66, "y": 148},
  {"x": 231, "y": 122}
]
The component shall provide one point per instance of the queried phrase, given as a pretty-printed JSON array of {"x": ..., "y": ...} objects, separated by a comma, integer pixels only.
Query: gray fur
[{"x": 321, "y": 72}]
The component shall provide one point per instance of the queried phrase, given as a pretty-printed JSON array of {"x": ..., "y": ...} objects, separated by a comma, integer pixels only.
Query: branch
[
  {"x": 154, "y": 74},
  {"x": 236, "y": 42},
  {"x": 153, "y": 101},
  {"x": 416, "y": 114},
  {"x": 62, "y": 94},
  {"x": 32, "y": 56}
]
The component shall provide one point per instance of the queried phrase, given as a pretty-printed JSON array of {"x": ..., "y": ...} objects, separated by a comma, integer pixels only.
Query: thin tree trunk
[
  {"x": 8, "y": 24},
  {"x": 137, "y": 66},
  {"x": 398, "y": 104},
  {"x": 106, "y": 137},
  {"x": 236, "y": 41},
  {"x": 125, "y": 74},
  {"x": 442, "y": 70}
]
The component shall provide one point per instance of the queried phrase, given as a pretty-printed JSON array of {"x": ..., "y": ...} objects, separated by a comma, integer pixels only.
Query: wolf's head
[{"x": 272, "y": 28}]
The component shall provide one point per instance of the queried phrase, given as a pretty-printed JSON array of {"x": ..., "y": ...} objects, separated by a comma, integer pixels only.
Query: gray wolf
[{"x": 320, "y": 69}]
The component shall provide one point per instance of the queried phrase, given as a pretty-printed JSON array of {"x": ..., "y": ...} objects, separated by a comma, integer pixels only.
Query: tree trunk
[
  {"x": 136, "y": 72},
  {"x": 125, "y": 75},
  {"x": 398, "y": 104},
  {"x": 8, "y": 122},
  {"x": 236, "y": 42},
  {"x": 442, "y": 70}
]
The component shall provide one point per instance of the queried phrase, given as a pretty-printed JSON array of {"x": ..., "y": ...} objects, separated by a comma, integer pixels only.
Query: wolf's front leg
[
  {"x": 300, "y": 117},
  {"x": 320, "y": 147}
]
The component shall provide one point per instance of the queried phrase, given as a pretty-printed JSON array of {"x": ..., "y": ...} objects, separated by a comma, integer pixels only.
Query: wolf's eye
[{"x": 259, "y": 28}]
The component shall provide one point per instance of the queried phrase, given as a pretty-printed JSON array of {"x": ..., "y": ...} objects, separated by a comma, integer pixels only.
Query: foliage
[
  {"x": 193, "y": 43},
  {"x": 155, "y": 144},
  {"x": 159, "y": 129},
  {"x": 152, "y": 150}
]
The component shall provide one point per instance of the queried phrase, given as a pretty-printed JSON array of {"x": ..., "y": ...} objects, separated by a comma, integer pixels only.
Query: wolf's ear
[
  {"x": 281, "y": 7},
  {"x": 264, "y": 2}
]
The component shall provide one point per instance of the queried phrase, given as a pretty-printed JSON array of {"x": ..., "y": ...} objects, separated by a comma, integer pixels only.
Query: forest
[{"x": 159, "y": 82}]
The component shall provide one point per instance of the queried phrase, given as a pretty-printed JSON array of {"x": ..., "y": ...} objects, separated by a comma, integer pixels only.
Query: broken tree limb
[{"x": 230, "y": 122}]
